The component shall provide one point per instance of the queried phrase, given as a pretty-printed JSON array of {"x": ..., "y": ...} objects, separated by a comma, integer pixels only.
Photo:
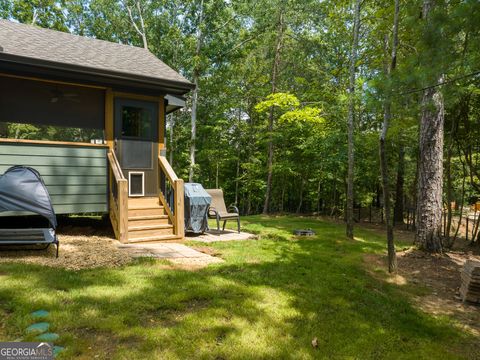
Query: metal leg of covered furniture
[
  {"x": 224, "y": 223},
  {"x": 218, "y": 223},
  {"x": 238, "y": 224},
  {"x": 22, "y": 246},
  {"x": 43, "y": 248},
  {"x": 57, "y": 244}
]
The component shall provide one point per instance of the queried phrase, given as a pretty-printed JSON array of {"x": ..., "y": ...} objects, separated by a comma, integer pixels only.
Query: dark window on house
[
  {"x": 37, "y": 110},
  {"x": 136, "y": 122}
]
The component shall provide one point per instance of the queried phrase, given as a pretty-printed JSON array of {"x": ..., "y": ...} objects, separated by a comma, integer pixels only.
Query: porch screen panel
[{"x": 40, "y": 103}]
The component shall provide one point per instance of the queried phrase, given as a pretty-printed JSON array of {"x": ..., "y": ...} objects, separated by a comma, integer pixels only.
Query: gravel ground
[{"x": 76, "y": 253}]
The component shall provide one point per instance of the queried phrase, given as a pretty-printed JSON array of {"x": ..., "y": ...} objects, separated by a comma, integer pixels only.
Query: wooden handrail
[
  {"x": 118, "y": 205},
  {"x": 167, "y": 168},
  {"x": 117, "y": 175},
  {"x": 117, "y": 171},
  {"x": 176, "y": 216}
]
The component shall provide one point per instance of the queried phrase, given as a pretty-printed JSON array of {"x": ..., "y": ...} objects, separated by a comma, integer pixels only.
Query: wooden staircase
[{"x": 148, "y": 221}]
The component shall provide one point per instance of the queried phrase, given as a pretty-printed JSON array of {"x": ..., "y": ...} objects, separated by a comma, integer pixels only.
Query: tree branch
[
  {"x": 142, "y": 24},
  {"x": 35, "y": 16}
]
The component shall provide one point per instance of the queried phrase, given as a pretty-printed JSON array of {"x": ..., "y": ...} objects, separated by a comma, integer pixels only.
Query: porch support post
[
  {"x": 120, "y": 214},
  {"x": 109, "y": 118},
  {"x": 161, "y": 126},
  {"x": 123, "y": 211}
]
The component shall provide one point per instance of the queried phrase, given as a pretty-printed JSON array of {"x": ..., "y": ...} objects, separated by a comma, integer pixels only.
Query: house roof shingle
[{"x": 33, "y": 42}]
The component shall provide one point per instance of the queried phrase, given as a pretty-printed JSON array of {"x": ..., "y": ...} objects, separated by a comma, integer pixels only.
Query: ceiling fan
[{"x": 58, "y": 95}]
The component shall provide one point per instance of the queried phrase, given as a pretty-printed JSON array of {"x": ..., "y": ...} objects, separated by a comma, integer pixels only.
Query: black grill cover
[
  {"x": 22, "y": 189},
  {"x": 197, "y": 202}
]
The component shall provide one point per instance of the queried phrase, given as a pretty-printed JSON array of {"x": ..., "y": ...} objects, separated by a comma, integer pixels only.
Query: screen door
[{"x": 136, "y": 139}]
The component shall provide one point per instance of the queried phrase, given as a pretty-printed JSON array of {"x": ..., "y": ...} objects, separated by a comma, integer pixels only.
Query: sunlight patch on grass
[{"x": 356, "y": 238}]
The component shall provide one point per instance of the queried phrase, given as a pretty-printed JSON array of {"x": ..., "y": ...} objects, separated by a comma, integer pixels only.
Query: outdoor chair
[{"x": 219, "y": 211}]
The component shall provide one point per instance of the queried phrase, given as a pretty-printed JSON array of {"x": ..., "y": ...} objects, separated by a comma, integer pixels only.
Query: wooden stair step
[
  {"x": 158, "y": 238},
  {"x": 145, "y": 211},
  {"x": 148, "y": 220},
  {"x": 143, "y": 201},
  {"x": 147, "y": 223},
  {"x": 149, "y": 227},
  {"x": 147, "y": 232},
  {"x": 147, "y": 217},
  {"x": 144, "y": 207}
]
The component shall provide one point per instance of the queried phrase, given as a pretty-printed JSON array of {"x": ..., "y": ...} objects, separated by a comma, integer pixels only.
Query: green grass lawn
[{"x": 269, "y": 299}]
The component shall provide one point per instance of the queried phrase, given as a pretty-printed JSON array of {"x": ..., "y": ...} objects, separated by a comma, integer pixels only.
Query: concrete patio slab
[
  {"x": 175, "y": 252},
  {"x": 219, "y": 235}
]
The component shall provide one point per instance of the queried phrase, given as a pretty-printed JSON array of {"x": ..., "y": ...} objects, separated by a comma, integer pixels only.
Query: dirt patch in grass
[
  {"x": 434, "y": 281},
  {"x": 168, "y": 318},
  {"x": 194, "y": 263},
  {"x": 207, "y": 250},
  {"x": 76, "y": 253},
  {"x": 101, "y": 345}
]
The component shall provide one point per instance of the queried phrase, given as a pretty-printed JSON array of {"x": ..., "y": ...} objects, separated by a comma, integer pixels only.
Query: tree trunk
[
  {"x": 448, "y": 169},
  {"x": 333, "y": 209},
  {"x": 430, "y": 173},
  {"x": 196, "y": 76},
  {"x": 475, "y": 224},
  {"x": 392, "y": 257},
  {"x": 282, "y": 196},
  {"x": 237, "y": 180},
  {"x": 452, "y": 241},
  {"x": 300, "y": 203},
  {"x": 276, "y": 63},
  {"x": 140, "y": 30},
  {"x": 448, "y": 174},
  {"x": 350, "y": 122},
  {"x": 399, "y": 194},
  {"x": 319, "y": 189},
  {"x": 193, "y": 134}
]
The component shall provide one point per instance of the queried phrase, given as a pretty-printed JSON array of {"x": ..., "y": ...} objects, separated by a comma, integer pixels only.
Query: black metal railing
[{"x": 166, "y": 188}]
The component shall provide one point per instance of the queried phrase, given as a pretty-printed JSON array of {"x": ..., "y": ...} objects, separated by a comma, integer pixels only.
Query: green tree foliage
[
  {"x": 44, "y": 13},
  {"x": 239, "y": 46}
]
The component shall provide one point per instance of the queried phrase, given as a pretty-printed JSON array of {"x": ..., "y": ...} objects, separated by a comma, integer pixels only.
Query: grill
[{"x": 197, "y": 203}]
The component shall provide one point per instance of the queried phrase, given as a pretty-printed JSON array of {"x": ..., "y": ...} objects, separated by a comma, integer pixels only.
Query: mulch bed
[{"x": 440, "y": 274}]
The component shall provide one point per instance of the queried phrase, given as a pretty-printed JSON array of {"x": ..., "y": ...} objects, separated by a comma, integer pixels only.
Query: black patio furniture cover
[{"x": 22, "y": 189}]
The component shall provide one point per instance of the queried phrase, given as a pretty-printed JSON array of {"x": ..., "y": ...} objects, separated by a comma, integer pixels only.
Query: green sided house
[{"x": 89, "y": 115}]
